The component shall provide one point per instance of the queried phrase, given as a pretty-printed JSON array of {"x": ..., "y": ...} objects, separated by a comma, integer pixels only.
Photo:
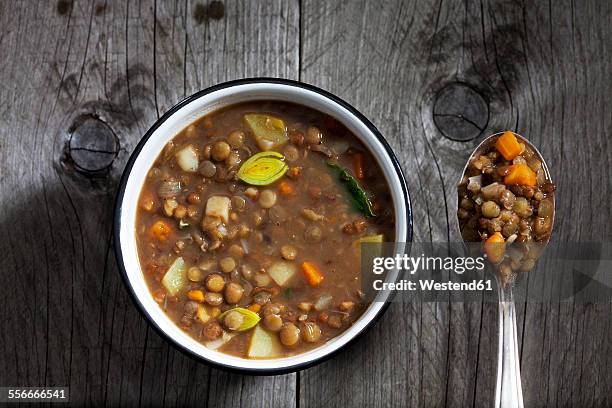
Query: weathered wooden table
[{"x": 81, "y": 82}]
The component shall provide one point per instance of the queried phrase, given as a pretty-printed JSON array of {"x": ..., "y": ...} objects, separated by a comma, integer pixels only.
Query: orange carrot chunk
[
  {"x": 285, "y": 188},
  {"x": 196, "y": 295},
  {"x": 255, "y": 308},
  {"x": 520, "y": 174},
  {"x": 508, "y": 145},
  {"x": 358, "y": 166},
  {"x": 495, "y": 247},
  {"x": 161, "y": 230},
  {"x": 312, "y": 274}
]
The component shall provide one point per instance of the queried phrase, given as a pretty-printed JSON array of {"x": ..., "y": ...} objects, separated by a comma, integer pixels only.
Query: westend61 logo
[{"x": 459, "y": 265}]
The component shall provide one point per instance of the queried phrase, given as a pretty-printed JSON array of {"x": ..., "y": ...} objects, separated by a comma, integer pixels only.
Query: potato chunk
[
  {"x": 264, "y": 344},
  {"x": 175, "y": 278},
  {"x": 187, "y": 159},
  {"x": 270, "y": 132},
  {"x": 218, "y": 207},
  {"x": 282, "y": 272}
]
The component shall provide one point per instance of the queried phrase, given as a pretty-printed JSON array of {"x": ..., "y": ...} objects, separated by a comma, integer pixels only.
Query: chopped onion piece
[
  {"x": 215, "y": 344},
  {"x": 474, "y": 183},
  {"x": 169, "y": 188},
  {"x": 245, "y": 245},
  {"x": 323, "y": 303}
]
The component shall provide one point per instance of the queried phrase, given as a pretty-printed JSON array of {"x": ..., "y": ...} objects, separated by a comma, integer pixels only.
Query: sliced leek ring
[
  {"x": 263, "y": 168},
  {"x": 250, "y": 318}
]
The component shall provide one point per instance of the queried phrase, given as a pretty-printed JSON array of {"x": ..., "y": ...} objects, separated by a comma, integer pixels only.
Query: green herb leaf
[
  {"x": 250, "y": 318},
  {"x": 287, "y": 293},
  {"x": 359, "y": 198}
]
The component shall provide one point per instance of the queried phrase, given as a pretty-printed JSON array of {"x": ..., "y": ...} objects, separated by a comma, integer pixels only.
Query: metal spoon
[{"x": 508, "y": 392}]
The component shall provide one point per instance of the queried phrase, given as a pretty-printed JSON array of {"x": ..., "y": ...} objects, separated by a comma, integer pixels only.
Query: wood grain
[
  {"x": 390, "y": 59},
  {"x": 70, "y": 320},
  {"x": 67, "y": 318}
]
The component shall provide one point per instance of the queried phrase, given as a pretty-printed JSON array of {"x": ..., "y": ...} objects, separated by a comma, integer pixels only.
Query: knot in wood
[
  {"x": 93, "y": 146},
  {"x": 214, "y": 11},
  {"x": 460, "y": 112}
]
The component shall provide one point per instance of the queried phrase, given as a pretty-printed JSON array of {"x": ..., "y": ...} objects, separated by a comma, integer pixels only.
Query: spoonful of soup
[{"x": 507, "y": 204}]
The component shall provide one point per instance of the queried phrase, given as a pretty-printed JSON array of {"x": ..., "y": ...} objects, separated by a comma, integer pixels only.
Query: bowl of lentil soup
[{"x": 238, "y": 222}]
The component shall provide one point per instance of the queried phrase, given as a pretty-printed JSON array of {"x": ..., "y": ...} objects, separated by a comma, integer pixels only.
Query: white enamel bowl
[{"x": 180, "y": 117}]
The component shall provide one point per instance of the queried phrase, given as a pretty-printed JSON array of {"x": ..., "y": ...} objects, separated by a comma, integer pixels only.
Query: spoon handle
[{"x": 508, "y": 392}]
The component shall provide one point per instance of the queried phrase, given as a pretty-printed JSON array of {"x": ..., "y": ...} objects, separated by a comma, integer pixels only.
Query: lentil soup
[
  {"x": 249, "y": 225},
  {"x": 507, "y": 202}
]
